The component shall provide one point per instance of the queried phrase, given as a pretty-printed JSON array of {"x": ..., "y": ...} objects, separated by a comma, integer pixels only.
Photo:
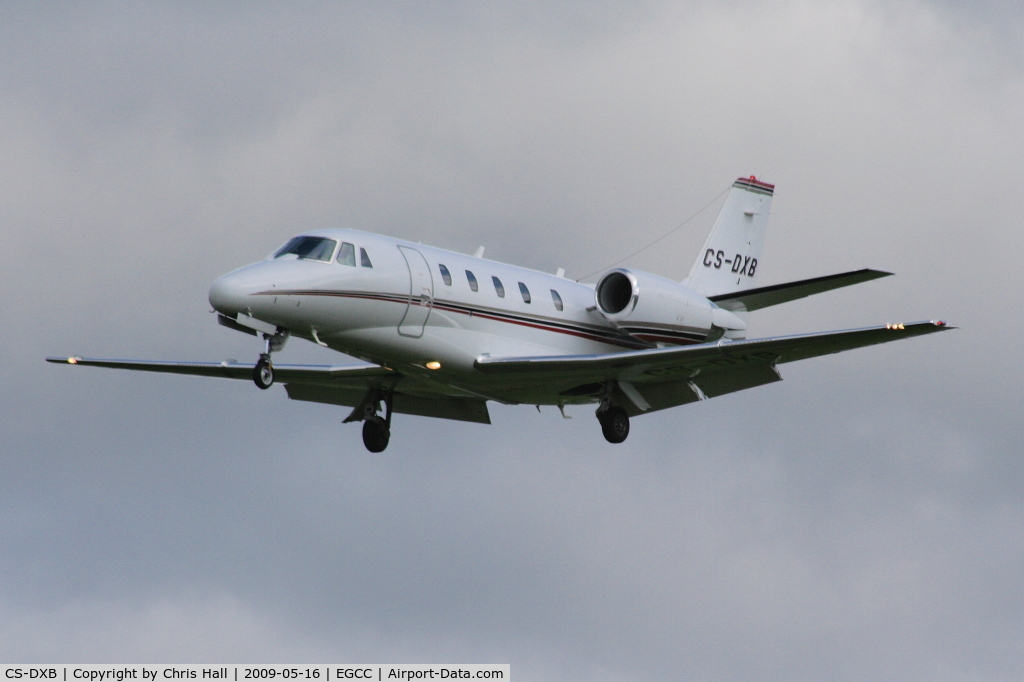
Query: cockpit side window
[
  {"x": 445, "y": 274},
  {"x": 499, "y": 288},
  {"x": 347, "y": 254},
  {"x": 308, "y": 248},
  {"x": 471, "y": 278},
  {"x": 364, "y": 258}
]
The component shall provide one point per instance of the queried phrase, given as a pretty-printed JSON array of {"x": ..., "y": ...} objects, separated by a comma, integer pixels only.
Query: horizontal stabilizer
[{"x": 764, "y": 297}]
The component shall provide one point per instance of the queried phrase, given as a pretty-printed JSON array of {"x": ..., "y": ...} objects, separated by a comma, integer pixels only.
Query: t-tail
[
  {"x": 727, "y": 267},
  {"x": 730, "y": 259}
]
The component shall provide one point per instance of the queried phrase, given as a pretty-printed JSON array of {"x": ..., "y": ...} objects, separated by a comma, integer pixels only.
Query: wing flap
[
  {"x": 764, "y": 297},
  {"x": 720, "y": 383},
  {"x": 460, "y": 409},
  {"x": 665, "y": 395}
]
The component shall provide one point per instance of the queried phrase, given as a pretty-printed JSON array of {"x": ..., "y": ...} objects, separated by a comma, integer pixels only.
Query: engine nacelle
[{"x": 657, "y": 310}]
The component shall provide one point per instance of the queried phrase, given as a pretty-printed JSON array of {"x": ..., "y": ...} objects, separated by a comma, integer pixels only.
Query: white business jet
[{"x": 442, "y": 333}]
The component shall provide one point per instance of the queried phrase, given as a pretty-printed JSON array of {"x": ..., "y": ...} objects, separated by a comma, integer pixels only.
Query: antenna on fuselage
[
  {"x": 479, "y": 252},
  {"x": 672, "y": 231}
]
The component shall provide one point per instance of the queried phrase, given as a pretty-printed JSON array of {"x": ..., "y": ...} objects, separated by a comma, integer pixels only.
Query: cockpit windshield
[{"x": 309, "y": 248}]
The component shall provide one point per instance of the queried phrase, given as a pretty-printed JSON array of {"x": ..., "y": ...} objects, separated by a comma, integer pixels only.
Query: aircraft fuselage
[{"x": 404, "y": 305}]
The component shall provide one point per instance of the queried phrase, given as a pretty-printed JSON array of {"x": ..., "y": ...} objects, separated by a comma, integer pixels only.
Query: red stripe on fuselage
[{"x": 641, "y": 339}]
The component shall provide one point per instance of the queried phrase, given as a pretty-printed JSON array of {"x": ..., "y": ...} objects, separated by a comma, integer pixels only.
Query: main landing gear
[
  {"x": 614, "y": 420},
  {"x": 376, "y": 434},
  {"x": 614, "y": 423},
  {"x": 263, "y": 372},
  {"x": 376, "y": 429}
]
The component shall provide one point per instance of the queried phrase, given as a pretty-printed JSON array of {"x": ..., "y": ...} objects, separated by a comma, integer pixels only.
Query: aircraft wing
[
  {"x": 332, "y": 384},
  {"x": 229, "y": 369},
  {"x": 656, "y": 378}
]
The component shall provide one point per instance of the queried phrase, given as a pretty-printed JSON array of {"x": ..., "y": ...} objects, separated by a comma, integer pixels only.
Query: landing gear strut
[{"x": 263, "y": 372}]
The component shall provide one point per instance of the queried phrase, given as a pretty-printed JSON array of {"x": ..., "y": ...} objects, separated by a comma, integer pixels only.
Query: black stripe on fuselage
[
  {"x": 644, "y": 338},
  {"x": 655, "y": 335}
]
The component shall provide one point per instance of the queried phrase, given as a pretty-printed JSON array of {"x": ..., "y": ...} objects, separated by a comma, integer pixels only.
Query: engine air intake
[{"x": 614, "y": 292}]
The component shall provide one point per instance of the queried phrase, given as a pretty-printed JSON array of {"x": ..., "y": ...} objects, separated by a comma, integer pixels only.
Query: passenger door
[{"x": 421, "y": 293}]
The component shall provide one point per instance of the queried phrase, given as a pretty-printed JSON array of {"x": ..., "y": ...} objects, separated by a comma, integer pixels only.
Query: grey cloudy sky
[{"x": 860, "y": 520}]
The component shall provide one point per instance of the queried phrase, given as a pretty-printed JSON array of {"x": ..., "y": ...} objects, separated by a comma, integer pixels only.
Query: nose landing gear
[{"x": 263, "y": 372}]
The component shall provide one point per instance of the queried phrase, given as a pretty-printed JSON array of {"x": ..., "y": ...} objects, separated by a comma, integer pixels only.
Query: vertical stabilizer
[{"x": 730, "y": 259}]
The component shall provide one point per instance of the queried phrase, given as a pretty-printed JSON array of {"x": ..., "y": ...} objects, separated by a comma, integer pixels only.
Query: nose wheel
[
  {"x": 263, "y": 373},
  {"x": 614, "y": 424}
]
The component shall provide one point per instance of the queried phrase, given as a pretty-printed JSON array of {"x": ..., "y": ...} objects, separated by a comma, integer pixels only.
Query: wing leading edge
[{"x": 229, "y": 369}]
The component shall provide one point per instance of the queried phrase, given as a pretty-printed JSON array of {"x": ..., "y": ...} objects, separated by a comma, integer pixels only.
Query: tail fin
[{"x": 730, "y": 258}]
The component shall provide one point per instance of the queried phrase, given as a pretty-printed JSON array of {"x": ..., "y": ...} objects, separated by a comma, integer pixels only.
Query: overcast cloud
[{"x": 860, "y": 520}]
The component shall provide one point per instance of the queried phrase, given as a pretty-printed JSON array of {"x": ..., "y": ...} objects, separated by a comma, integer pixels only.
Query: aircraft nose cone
[{"x": 228, "y": 294}]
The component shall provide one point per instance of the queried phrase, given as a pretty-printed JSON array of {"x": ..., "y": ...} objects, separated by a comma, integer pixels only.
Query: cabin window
[
  {"x": 471, "y": 278},
  {"x": 557, "y": 299},
  {"x": 498, "y": 287},
  {"x": 347, "y": 254},
  {"x": 364, "y": 258},
  {"x": 445, "y": 275},
  {"x": 308, "y": 248},
  {"x": 525, "y": 292}
]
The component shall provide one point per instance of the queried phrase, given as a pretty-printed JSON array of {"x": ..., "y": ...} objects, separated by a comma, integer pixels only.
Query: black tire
[
  {"x": 376, "y": 434},
  {"x": 614, "y": 424},
  {"x": 263, "y": 374}
]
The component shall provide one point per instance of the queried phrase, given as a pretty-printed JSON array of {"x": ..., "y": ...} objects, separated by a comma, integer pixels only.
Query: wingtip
[{"x": 925, "y": 326}]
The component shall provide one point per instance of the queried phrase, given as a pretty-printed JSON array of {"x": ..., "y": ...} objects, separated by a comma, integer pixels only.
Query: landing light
[
  {"x": 433, "y": 364},
  {"x": 72, "y": 361}
]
